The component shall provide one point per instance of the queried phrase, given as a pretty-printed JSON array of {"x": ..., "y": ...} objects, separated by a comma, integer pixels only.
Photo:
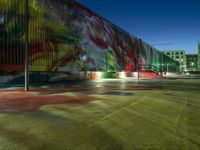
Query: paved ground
[{"x": 102, "y": 115}]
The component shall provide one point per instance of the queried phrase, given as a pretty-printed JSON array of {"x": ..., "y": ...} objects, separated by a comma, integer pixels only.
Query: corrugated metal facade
[
  {"x": 65, "y": 36},
  {"x": 12, "y": 18}
]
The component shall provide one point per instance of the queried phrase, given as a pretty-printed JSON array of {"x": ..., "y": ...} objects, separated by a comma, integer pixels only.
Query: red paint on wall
[{"x": 12, "y": 67}]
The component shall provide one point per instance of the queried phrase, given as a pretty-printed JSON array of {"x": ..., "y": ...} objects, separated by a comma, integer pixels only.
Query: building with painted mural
[{"x": 67, "y": 39}]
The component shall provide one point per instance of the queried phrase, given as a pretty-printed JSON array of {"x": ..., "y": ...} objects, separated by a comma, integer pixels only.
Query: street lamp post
[
  {"x": 138, "y": 69},
  {"x": 162, "y": 65},
  {"x": 26, "y": 61},
  {"x": 138, "y": 62}
]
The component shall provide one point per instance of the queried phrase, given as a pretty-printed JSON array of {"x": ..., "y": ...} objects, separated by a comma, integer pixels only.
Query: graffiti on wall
[{"x": 68, "y": 37}]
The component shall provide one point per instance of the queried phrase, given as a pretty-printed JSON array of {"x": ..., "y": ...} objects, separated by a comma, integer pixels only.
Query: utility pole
[{"x": 26, "y": 59}]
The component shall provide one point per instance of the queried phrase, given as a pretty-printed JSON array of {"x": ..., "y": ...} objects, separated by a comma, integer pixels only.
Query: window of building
[{"x": 177, "y": 57}]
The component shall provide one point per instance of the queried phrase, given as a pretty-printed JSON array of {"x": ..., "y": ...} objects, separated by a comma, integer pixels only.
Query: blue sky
[{"x": 165, "y": 24}]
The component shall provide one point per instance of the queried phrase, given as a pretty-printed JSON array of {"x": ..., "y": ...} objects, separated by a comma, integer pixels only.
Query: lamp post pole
[
  {"x": 138, "y": 61},
  {"x": 162, "y": 65},
  {"x": 26, "y": 61}
]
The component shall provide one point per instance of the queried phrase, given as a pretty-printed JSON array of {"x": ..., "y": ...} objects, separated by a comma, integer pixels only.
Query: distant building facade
[
  {"x": 179, "y": 56},
  {"x": 191, "y": 62}
]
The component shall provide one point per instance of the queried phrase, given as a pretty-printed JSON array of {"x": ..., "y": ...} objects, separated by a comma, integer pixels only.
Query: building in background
[
  {"x": 191, "y": 63},
  {"x": 67, "y": 40},
  {"x": 179, "y": 56}
]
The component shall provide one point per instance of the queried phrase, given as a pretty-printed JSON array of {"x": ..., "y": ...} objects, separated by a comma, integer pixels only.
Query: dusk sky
[{"x": 165, "y": 24}]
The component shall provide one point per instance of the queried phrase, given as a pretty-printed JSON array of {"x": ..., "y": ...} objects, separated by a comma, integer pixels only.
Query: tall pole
[
  {"x": 26, "y": 63},
  {"x": 138, "y": 62},
  {"x": 138, "y": 68},
  {"x": 162, "y": 65}
]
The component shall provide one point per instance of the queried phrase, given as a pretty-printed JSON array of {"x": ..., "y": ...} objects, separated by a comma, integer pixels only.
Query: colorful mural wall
[{"x": 65, "y": 36}]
